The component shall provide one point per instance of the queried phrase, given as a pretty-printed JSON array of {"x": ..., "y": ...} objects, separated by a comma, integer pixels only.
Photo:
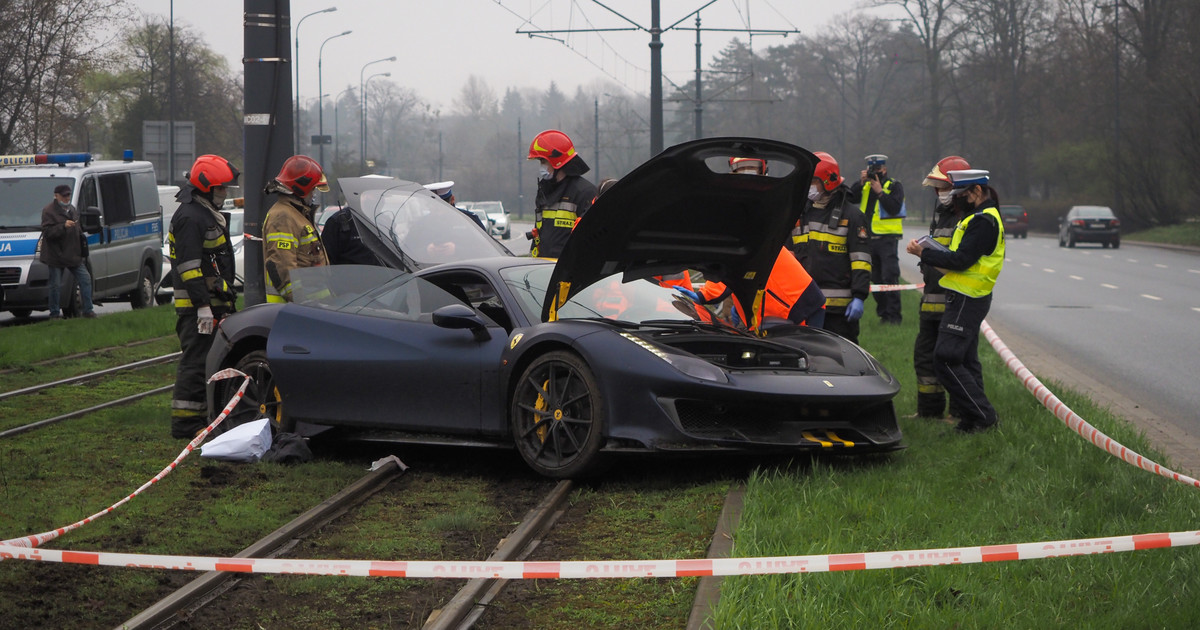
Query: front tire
[
  {"x": 1116, "y": 244},
  {"x": 1070, "y": 240},
  {"x": 143, "y": 295},
  {"x": 557, "y": 416},
  {"x": 262, "y": 396}
]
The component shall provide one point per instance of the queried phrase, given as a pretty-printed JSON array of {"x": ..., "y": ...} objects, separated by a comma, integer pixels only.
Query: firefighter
[
  {"x": 563, "y": 195},
  {"x": 830, "y": 241},
  {"x": 931, "y": 396},
  {"x": 881, "y": 200},
  {"x": 290, "y": 239},
  {"x": 202, "y": 270},
  {"x": 970, "y": 266}
]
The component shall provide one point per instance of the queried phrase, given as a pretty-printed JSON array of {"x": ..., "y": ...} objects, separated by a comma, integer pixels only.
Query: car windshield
[
  {"x": 1012, "y": 210},
  {"x": 637, "y": 301},
  {"x": 235, "y": 223},
  {"x": 1093, "y": 212},
  {"x": 22, "y": 200},
  {"x": 426, "y": 228}
]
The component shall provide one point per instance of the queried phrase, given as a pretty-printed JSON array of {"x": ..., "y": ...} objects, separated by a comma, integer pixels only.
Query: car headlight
[{"x": 691, "y": 366}]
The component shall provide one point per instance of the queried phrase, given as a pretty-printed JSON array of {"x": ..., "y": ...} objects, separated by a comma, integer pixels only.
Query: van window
[
  {"x": 22, "y": 200},
  {"x": 145, "y": 193},
  {"x": 87, "y": 194},
  {"x": 118, "y": 199}
]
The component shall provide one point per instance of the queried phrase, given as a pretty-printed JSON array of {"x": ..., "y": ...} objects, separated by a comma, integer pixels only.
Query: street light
[
  {"x": 363, "y": 139},
  {"x": 296, "y": 63},
  {"x": 320, "y": 90},
  {"x": 362, "y": 114}
]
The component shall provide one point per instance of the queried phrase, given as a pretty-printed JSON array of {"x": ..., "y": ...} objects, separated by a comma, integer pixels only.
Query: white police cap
[
  {"x": 441, "y": 189},
  {"x": 876, "y": 158},
  {"x": 968, "y": 178}
]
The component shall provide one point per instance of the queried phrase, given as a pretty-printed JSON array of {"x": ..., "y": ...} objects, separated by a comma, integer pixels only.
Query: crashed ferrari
[{"x": 457, "y": 341}]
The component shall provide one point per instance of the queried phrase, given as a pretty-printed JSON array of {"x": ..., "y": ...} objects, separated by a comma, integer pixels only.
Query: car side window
[
  {"x": 415, "y": 300},
  {"x": 476, "y": 292},
  {"x": 117, "y": 197}
]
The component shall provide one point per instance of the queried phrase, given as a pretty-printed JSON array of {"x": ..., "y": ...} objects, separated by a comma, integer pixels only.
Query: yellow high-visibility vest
[{"x": 978, "y": 279}]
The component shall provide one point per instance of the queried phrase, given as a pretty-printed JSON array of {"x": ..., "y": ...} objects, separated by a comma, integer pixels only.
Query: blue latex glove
[
  {"x": 854, "y": 311},
  {"x": 692, "y": 294}
]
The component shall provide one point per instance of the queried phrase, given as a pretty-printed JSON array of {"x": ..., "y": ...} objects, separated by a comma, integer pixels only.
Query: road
[{"x": 1120, "y": 324}]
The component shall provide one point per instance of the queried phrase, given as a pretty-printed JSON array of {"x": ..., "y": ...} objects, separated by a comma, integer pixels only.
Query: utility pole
[
  {"x": 656, "y": 95},
  {"x": 596, "y": 119}
]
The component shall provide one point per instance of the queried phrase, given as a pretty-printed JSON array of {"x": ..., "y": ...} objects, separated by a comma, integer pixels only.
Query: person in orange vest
[{"x": 790, "y": 295}]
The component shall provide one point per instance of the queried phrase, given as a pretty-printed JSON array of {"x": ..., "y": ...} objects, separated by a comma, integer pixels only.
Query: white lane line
[
  {"x": 1075, "y": 277},
  {"x": 1109, "y": 286},
  {"x": 1196, "y": 308},
  {"x": 1108, "y": 256},
  {"x": 1047, "y": 270},
  {"x": 1161, "y": 266},
  {"x": 1026, "y": 265},
  {"x": 1151, "y": 297},
  {"x": 1193, "y": 270},
  {"x": 1132, "y": 260}
]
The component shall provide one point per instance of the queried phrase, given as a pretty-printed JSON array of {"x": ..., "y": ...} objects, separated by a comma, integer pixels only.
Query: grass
[
  {"x": 22, "y": 345},
  {"x": 1187, "y": 233},
  {"x": 1031, "y": 480}
]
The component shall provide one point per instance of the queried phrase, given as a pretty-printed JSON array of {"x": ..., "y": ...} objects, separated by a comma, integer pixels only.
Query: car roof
[{"x": 683, "y": 209}]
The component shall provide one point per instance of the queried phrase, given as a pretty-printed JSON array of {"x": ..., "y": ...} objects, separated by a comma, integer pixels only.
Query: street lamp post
[
  {"x": 296, "y": 63},
  {"x": 364, "y": 111},
  {"x": 321, "y": 104},
  {"x": 362, "y": 114}
]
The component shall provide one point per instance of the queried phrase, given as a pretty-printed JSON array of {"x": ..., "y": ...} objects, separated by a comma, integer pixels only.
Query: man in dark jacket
[
  {"x": 343, "y": 244},
  {"x": 881, "y": 200},
  {"x": 62, "y": 248},
  {"x": 563, "y": 196},
  {"x": 202, "y": 269}
]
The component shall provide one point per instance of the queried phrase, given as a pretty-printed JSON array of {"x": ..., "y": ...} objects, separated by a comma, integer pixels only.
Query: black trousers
[
  {"x": 837, "y": 322},
  {"x": 956, "y": 358},
  {"x": 189, "y": 404},
  {"x": 931, "y": 396},
  {"x": 885, "y": 269}
]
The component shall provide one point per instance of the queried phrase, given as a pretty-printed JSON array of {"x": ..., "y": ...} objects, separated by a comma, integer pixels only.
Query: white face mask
[
  {"x": 814, "y": 192},
  {"x": 945, "y": 196},
  {"x": 544, "y": 173}
]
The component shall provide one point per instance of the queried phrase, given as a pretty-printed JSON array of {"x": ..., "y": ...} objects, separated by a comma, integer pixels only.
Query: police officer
[
  {"x": 563, "y": 195},
  {"x": 881, "y": 200},
  {"x": 931, "y": 396},
  {"x": 202, "y": 270},
  {"x": 830, "y": 241},
  {"x": 290, "y": 239},
  {"x": 971, "y": 265}
]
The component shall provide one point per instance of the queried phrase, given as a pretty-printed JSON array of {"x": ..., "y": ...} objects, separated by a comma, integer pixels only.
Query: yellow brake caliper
[{"x": 541, "y": 405}]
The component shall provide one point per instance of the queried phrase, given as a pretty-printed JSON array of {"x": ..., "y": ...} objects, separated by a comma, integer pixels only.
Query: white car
[
  {"x": 237, "y": 216},
  {"x": 497, "y": 217}
]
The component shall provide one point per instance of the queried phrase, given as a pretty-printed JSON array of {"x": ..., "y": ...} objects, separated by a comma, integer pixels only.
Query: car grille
[
  {"x": 836, "y": 425},
  {"x": 10, "y": 275}
]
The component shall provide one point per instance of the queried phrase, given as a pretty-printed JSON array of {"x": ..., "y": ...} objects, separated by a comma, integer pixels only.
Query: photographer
[{"x": 881, "y": 200}]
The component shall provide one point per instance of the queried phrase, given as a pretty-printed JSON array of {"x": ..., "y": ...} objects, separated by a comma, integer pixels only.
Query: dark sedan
[
  {"x": 1089, "y": 224},
  {"x": 572, "y": 360}
]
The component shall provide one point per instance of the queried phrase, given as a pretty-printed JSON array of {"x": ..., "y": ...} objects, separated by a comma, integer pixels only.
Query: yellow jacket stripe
[{"x": 880, "y": 225}]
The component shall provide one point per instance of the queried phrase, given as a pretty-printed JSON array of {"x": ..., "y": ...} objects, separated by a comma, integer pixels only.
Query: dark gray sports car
[{"x": 458, "y": 341}]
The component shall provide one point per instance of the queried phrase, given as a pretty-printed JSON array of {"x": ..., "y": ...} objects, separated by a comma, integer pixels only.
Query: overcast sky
[{"x": 438, "y": 44}]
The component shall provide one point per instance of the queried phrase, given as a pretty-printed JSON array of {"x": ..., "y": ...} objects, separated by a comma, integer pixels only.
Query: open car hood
[
  {"x": 683, "y": 209},
  {"x": 409, "y": 228}
]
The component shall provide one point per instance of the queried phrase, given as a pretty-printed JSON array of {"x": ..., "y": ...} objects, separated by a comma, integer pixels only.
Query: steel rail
[
  {"x": 136, "y": 365},
  {"x": 197, "y": 592},
  {"x": 83, "y": 412},
  {"x": 466, "y": 607}
]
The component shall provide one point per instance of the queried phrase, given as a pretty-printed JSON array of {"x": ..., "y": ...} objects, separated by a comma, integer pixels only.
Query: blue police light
[
  {"x": 128, "y": 155},
  {"x": 45, "y": 158}
]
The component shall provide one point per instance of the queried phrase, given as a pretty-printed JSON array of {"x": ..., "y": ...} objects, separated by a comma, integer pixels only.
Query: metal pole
[
  {"x": 171, "y": 105},
  {"x": 362, "y": 114},
  {"x": 1120, "y": 204},
  {"x": 296, "y": 63},
  {"x": 656, "y": 94},
  {"x": 699, "y": 103},
  {"x": 321, "y": 98}
]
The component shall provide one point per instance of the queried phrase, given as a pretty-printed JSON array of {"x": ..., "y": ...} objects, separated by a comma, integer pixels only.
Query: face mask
[
  {"x": 945, "y": 196},
  {"x": 814, "y": 192},
  {"x": 218, "y": 197},
  {"x": 544, "y": 173}
]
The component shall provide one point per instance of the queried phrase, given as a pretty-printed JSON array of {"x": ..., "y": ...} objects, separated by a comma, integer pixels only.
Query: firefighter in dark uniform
[
  {"x": 931, "y": 396},
  {"x": 202, "y": 270},
  {"x": 563, "y": 195},
  {"x": 881, "y": 200},
  {"x": 830, "y": 241},
  {"x": 970, "y": 266}
]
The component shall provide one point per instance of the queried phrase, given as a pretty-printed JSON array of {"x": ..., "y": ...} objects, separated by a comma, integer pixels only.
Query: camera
[{"x": 874, "y": 171}]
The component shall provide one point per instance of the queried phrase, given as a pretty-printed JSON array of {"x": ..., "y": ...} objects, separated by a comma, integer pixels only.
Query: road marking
[
  {"x": 1075, "y": 277},
  {"x": 1193, "y": 270},
  {"x": 1107, "y": 256},
  {"x": 1109, "y": 286},
  {"x": 1161, "y": 266},
  {"x": 1152, "y": 297},
  {"x": 1132, "y": 260},
  {"x": 1196, "y": 308},
  {"x": 1047, "y": 270},
  {"x": 1026, "y": 265}
]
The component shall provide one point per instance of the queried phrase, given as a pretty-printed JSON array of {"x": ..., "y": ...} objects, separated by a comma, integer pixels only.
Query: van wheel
[
  {"x": 143, "y": 295},
  {"x": 21, "y": 313},
  {"x": 69, "y": 297}
]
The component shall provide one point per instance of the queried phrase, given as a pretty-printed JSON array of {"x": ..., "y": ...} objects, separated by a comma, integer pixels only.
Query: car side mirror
[
  {"x": 90, "y": 219},
  {"x": 461, "y": 316}
]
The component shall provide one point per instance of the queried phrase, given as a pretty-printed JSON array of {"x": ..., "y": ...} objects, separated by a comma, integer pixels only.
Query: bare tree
[{"x": 477, "y": 99}]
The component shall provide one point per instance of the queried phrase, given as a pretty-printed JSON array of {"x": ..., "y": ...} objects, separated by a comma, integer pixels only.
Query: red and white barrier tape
[
  {"x": 618, "y": 568},
  {"x": 1071, "y": 419},
  {"x": 37, "y": 539},
  {"x": 876, "y": 288}
]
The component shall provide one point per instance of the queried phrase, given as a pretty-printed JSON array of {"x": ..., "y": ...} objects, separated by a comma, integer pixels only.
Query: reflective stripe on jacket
[
  {"x": 933, "y": 298},
  {"x": 202, "y": 264},
  {"x": 831, "y": 243},
  {"x": 290, "y": 241}
]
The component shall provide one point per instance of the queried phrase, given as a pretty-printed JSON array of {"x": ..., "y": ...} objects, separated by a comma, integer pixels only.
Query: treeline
[{"x": 1064, "y": 101}]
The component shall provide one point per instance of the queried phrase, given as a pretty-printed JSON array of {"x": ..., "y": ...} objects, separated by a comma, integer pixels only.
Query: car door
[
  {"x": 383, "y": 362},
  {"x": 89, "y": 197}
]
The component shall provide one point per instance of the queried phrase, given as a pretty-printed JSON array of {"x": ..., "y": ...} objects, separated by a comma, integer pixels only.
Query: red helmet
[
  {"x": 827, "y": 171},
  {"x": 553, "y": 146},
  {"x": 300, "y": 175},
  {"x": 212, "y": 170},
  {"x": 741, "y": 164},
  {"x": 945, "y": 165}
]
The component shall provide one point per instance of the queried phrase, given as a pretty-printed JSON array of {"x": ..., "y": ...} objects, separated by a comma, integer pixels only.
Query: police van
[{"x": 119, "y": 211}]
